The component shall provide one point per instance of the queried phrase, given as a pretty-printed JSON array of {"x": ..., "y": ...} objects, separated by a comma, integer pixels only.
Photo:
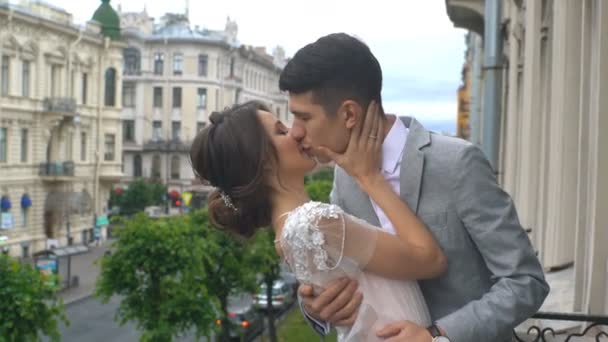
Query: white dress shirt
[{"x": 392, "y": 152}]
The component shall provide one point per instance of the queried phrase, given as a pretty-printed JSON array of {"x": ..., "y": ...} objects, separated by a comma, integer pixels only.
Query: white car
[{"x": 283, "y": 295}]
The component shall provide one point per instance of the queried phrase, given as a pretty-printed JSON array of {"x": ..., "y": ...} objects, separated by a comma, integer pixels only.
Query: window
[
  {"x": 157, "y": 130},
  {"x": 23, "y": 217},
  {"x": 200, "y": 126},
  {"x": 83, "y": 96},
  {"x": 55, "y": 88},
  {"x": 175, "y": 167},
  {"x": 201, "y": 98},
  {"x": 110, "y": 98},
  {"x": 25, "y": 251},
  {"x": 5, "y": 76},
  {"x": 232, "y": 61},
  {"x": 155, "y": 166},
  {"x": 128, "y": 130},
  {"x": 279, "y": 114},
  {"x": 159, "y": 63},
  {"x": 202, "y": 65},
  {"x": 25, "y": 79},
  {"x": 128, "y": 95},
  {"x": 83, "y": 146},
  {"x": 24, "y": 138},
  {"x": 176, "y": 130},
  {"x": 217, "y": 99},
  {"x": 3, "y": 146},
  {"x": 137, "y": 166},
  {"x": 177, "y": 97},
  {"x": 109, "y": 147},
  {"x": 132, "y": 61},
  {"x": 73, "y": 84},
  {"x": 158, "y": 97},
  {"x": 178, "y": 63}
]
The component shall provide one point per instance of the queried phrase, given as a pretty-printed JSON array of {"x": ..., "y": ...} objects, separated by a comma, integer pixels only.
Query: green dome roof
[{"x": 109, "y": 20}]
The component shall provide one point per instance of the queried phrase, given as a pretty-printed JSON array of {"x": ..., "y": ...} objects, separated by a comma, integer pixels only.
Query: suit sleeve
[{"x": 489, "y": 215}]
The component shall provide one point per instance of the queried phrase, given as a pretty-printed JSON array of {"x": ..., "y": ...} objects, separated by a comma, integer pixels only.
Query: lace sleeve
[{"x": 321, "y": 243}]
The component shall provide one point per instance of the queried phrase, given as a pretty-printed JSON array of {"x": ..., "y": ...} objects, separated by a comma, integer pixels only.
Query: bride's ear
[{"x": 350, "y": 112}]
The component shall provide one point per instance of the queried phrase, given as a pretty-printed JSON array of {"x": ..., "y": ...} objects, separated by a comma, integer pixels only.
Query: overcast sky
[{"x": 420, "y": 52}]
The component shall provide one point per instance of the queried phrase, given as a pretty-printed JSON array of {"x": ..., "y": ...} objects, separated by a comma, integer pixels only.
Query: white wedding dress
[{"x": 321, "y": 243}]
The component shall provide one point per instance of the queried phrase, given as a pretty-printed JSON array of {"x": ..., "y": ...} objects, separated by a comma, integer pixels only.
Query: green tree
[
  {"x": 264, "y": 257},
  {"x": 319, "y": 190},
  {"x": 326, "y": 173},
  {"x": 156, "y": 266},
  {"x": 138, "y": 195},
  {"x": 228, "y": 265},
  {"x": 29, "y": 307}
]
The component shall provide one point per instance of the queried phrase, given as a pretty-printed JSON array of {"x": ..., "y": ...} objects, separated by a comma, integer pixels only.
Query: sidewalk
[{"x": 84, "y": 267}]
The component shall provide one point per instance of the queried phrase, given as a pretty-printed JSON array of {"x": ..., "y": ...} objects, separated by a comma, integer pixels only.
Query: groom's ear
[{"x": 351, "y": 113}]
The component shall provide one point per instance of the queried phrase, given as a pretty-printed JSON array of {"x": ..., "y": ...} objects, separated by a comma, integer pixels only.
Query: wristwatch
[{"x": 436, "y": 334}]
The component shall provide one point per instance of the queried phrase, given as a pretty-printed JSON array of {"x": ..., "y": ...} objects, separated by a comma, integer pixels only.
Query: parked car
[
  {"x": 245, "y": 320},
  {"x": 283, "y": 295}
]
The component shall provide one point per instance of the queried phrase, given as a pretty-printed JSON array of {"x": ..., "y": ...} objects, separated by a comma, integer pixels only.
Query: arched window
[
  {"x": 175, "y": 167},
  {"x": 132, "y": 61},
  {"x": 110, "y": 98},
  {"x": 156, "y": 167},
  {"x": 137, "y": 166}
]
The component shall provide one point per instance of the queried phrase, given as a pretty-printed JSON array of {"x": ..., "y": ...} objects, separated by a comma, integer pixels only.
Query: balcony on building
[
  {"x": 63, "y": 106},
  {"x": 467, "y": 14},
  {"x": 57, "y": 171},
  {"x": 169, "y": 145}
]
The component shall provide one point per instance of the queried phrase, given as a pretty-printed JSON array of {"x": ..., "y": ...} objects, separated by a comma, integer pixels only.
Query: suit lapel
[
  {"x": 362, "y": 204},
  {"x": 412, "y": 162}
]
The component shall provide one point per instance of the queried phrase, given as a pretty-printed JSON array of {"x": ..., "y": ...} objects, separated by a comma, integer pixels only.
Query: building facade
[
  {"x": 174, "y": 76},
  {"x": 60, "y": 127},
  {"x": 553, "y": 154}
]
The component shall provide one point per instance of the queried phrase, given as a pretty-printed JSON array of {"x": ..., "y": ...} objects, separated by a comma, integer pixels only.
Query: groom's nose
[{"x": 298, "y": 132}]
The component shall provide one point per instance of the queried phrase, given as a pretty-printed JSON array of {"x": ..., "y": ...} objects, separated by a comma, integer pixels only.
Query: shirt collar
[{"x": 393, "y": 146}]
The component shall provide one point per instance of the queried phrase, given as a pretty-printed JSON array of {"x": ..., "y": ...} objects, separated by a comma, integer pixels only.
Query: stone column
[
  {"x": 513, "y": 116},
  {"x": 582, "y": 230},
  {"x": 563, "y": 154},
  {"x": 529, "y": 146},
  {"x": 595, "y": 300}
]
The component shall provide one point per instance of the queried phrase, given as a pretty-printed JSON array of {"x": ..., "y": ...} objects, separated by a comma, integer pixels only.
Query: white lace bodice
[{"x": 321, "y": 243}]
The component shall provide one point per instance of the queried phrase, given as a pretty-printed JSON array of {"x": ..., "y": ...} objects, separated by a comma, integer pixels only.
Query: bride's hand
[{"x": 363, "y": 155}]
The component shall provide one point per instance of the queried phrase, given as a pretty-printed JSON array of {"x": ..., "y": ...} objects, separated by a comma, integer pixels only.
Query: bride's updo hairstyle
[{"x": 233, "y": 154}]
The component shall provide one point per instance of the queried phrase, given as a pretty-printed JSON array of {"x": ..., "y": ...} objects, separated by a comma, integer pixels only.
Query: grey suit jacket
[{"x": 494, "y": 280}]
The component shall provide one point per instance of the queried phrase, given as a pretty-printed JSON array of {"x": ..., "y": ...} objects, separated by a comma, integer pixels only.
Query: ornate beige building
[
  {"x": 553, "y": 155},
  {"x": 60, "y": 127},
  {"x": 175, "y": 75}
]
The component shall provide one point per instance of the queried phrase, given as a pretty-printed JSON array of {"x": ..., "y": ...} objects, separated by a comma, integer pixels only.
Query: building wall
[
  {"x": 55, "y": 136},
  {"x": 253, "y": 77},
  {"x": 553, "y": 141}
]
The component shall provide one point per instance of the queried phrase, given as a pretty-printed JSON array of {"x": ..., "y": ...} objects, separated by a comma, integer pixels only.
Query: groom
[{"x": 494, "y": 280}]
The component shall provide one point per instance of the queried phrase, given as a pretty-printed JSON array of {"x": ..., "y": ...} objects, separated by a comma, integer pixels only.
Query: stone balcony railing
[
  {"x": 64, "y": 105},
  {"x": 57, "y": 169},
  {"x": 173, "y": 145}
]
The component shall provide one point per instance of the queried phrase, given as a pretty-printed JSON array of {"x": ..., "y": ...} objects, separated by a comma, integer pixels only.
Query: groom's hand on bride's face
[{"x": 337, "y": 304}]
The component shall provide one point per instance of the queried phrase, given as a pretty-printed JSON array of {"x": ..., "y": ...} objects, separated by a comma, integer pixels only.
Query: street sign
[
  {"x": 7, "y": 221},
  {"x": 102, "y": 221}
]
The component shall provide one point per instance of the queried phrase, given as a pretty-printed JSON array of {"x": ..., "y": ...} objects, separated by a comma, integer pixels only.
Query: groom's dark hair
[{"x": 336, "y": 67}]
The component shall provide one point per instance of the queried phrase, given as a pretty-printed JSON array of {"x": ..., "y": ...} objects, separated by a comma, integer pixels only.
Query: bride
[{"x": 258, "y": 170}]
